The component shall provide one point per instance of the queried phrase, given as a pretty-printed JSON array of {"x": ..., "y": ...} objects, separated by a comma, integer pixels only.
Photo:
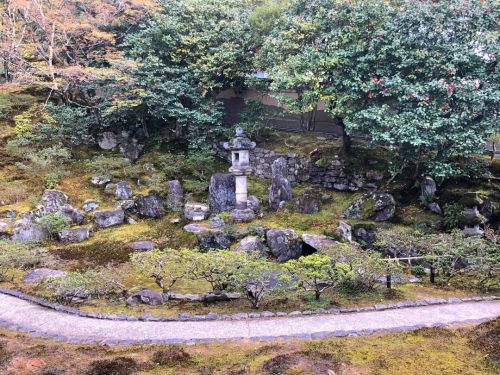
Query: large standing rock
[
  {"x": 308, "y": 202},
  {"x": 427, "y": 190},
  {"x": 107, "y": 140},
  {"x": 318, "y": 242},
  {"x": 74, "y": 235},
  {"x": 123, "y": 191},
  {"x": 284, "y": 244},
  {"x": 175, "y": 196},
  {"x": 280, "y": 190},
  {"x": 213, "y": 239},
  {"x": 196, "y": 211},
  {"x": 150, "y": 206},
  {"x": 344, "y": 232},
  {"x": 252, "y": 244},
  {"x": 105, "y": 219},
  {"x": 376, "y": 206},
  {"x": 222, "y": 192}
]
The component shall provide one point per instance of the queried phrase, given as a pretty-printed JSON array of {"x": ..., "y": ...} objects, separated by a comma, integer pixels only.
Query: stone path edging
[
  {"x": 38, "y": 321},
  {"x": 241, "y": 316}
]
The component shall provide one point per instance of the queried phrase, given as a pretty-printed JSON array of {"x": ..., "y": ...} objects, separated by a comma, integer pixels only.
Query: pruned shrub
[
  {"x": 115, "y": 366},
  {"x": 53, "y": 223},
  {"x": 171, "y": 356},
  {"x": 20, "y": 255},
  {"x": 101, "y": 283}
]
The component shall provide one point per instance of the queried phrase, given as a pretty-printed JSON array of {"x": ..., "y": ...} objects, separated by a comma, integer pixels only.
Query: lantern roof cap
[{"x": 239, "y": 142}]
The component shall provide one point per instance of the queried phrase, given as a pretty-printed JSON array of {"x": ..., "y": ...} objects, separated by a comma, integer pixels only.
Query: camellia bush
[{"x": 420, "y": 78}]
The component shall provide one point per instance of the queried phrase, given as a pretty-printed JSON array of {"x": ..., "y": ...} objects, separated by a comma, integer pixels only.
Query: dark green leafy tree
[
  {"x": 419, "y": 78},
  {"x": 187, "y": 54}
]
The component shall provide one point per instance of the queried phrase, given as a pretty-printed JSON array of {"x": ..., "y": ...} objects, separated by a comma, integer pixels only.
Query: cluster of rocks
[
  {"x": 281, "y": 244},
  {"x": 126, "y": 144},
  {"x": 428, "y": 191},
  {"x": 152, "y": 298}
]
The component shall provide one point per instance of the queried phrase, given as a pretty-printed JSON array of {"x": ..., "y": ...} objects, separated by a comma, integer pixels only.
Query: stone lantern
[{"x": 240, "y": 147}]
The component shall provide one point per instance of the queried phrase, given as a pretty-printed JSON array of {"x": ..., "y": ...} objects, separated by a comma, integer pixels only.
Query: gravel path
[{"x": 41, "y": 322}]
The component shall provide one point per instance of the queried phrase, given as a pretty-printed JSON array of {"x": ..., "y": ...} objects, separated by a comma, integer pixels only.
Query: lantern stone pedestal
[{"x": 240, "y": 147}]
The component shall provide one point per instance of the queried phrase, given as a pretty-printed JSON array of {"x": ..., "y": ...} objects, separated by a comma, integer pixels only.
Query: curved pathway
[{"x": 41, "y": 322}]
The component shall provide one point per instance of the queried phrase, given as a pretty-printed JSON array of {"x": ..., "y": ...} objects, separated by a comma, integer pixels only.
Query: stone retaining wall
[{"x": 331, "y": 174}]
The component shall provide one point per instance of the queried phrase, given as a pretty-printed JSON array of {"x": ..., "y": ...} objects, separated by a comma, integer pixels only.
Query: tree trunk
[
  {"x": 432, "y": 275},
  {"x": 317, "y": 295},
  {"x": 388, "y": 281},
  {"x": 346, "y": 138}
]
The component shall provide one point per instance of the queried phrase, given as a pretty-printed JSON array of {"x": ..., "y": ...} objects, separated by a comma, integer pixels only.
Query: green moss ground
[{"x": 467, "y": 350}]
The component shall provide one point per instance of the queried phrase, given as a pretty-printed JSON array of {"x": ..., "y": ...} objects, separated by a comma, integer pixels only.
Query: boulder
[
  {"x": 175, "y": 196},
  {"x": 194, "y": 228},
  {"x": 9, "y": 214},
  {"x": 344, "y": 232},
  {"x": 100, "y": 180},
  {"x": 284, "y": 244},
  {"x": 252, "y": 244},
  {"x": 376, "y": 206},
  {"x": 72, "y": 215},
  {"x": 427, "y": 190},
  {"x": 253, "y": 203},
  {"x": 123, "y": 191},
  {"x": 29, "y": 233},
  {"x": 242, "y": 215},
  {"x": 473, "y": 231},
  {"x": 53, "y": 200},
  {"x": 126, "y": 205},
  {"x": 280, "y": 190},
  {"x": 74, "y": 235},
  {"x": 150, "y": 206},
  {"x": 142, "y": 246},
  {"x": 146, "y": 297},
  {"x": 366, "y": 236},
  {"x": 184, "y": 297},
  {"x": 472, "y": 217},
  {"x": 90, "y": 205},
  {"x": 212, "y": 297},
  {"x": 222, "y": 192},
  {"x": 216, "y": 222},
  {"x": 130, "y": 148},
  {"x": 41, "y": 274},
  {"x": 109, "y": 218},
  {"x": 213, "y": 239},
  {"x": 107, "y": 140},
  {"x": 434, "y": 208},
  {"x": 110, "y": 189},
  {"x": 308, "y": 202},
  {"x": 318, "y": 242},
  {"x": 196, "y": 211}
]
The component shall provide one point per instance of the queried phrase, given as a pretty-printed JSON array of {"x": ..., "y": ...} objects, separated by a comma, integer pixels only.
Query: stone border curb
[
  {"x": 302, "y": 336},
  {"x": 241, "y": 316}
]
